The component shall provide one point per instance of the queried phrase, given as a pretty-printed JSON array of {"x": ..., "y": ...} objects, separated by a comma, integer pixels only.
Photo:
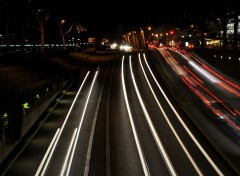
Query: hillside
[{"x": 25, "y": 79}]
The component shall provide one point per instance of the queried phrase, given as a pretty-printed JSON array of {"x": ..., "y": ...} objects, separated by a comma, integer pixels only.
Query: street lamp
[
  {"x": 65, "y": 31},
  {"x": 62, "y": 21},
  {"x": 62, "y": 34},
  {"x": 142, "y": 38},
  {"x": 149, "y": 34}
]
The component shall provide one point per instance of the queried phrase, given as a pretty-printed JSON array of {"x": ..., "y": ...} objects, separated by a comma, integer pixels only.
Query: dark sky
[
  {"x": 103, "y": 15},
  {"x": 107, "y": 14}
]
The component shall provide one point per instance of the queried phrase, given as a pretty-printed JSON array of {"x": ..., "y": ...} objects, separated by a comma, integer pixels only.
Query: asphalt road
[{"x": 128, "y": 114}]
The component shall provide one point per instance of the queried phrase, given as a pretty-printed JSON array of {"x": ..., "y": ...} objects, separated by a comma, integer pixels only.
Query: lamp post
[
  {"x": 149, "y": 34},
  {"x": 62, "y": 34},
  {"x": 142, "y": 38},
  {"x": 65, "y": 32},
  {"x": 171, "y": 38}
]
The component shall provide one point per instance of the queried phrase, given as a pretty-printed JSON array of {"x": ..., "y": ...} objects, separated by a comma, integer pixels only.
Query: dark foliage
[{"x": 24, "y": 77}]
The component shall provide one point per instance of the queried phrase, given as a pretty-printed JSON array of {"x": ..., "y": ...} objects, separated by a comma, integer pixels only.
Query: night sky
[
  {"x": 108, "y": 15},
  {"x": 129, "y": 12},
  {"x": 102, "y": 15}
]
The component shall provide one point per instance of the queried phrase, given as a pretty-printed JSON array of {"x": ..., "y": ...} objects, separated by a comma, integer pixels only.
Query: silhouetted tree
[
  {"x": 42, "y": 17},
  {"x": 65, "y": 29}
]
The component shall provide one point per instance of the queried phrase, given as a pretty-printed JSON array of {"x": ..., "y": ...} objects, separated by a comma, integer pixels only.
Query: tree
[
  {"x": 42, "y": 17},
  {"x": 80, "y": 28},
  {"x": 64, "y": 32},
  {"x": 67, "y": 28}
]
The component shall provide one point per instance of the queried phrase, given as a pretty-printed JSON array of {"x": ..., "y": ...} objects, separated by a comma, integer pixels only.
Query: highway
[{"x": 137, "y": 113}]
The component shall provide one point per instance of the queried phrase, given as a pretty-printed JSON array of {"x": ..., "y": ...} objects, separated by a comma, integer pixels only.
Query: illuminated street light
[
  {"x": 64, "y": 32},
  {"x": 62, "y": 21}
]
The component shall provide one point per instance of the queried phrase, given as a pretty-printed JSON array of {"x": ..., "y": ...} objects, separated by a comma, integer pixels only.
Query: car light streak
[
  {"x": 174, "y": 64},
  {"x": 222, "y": 115},
  {"x": 208, "y": 70},
  {"x": 216, "y": 98},
  {"x": 89, "y": 151},
  {"x": 192, "y": 74},
  {"x": 204, "y": 72},
  {"x": 60, "y": 132},
  {"x": 184, "y": 125},
  {"x": 81, "y": 121},
  {"x": 178, "y": 69},
  {"x": 43, "y": 162},
  {"x": 225, "y": 80},
  {"x": 216, "y": 74},
  {"x": 196, "y": 91},
  {"x": 229, "y": 89},
  {"x": 172, "y": 58},
  {"x": 209, "y": 97},
  {"x": 140, "y": 152},
  {"x": 208, "y": 103},
  {"x": 170, "y": 124},
  {"x": 152, "y": 128},
  {"x": 68, "y": 153}
]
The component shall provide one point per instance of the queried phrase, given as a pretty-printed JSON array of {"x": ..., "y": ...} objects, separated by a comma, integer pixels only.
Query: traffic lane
[
  {"x": 171, "y": 83},
  {"x": 82, "y": 157},
  {"x": 124, "y": 156},
  {"x": 154, "y": 156},
  {"x": 214, "y": 84},
  {"x": 180, "y": 149},
  {"x": 221, "y": 145},
  {"x": 100, "y": 153},
  {"x": 80, "y": 119},
  {"x": 217, "y": 91},
  {"x": 100, "y": 158},
  {"x": 154, "y": 151},
  {"x": 40, "y": 136}
]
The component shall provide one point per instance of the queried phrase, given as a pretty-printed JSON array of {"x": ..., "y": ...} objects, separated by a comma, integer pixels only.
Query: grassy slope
[{"x": 23, "y": 76}]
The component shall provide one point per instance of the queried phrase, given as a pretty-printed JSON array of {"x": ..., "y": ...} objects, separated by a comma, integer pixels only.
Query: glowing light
[
  {"x": 125, "y": 47},
  {"x": 26, "y": 106},
  {"x": 204, "y": 72}
]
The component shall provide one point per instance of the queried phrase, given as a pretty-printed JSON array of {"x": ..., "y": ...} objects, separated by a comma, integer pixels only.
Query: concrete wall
[{"x": 28, "y": 122}]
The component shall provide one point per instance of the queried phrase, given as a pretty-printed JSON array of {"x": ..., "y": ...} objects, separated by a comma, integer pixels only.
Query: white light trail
[
  {"x": 140, "y": 152},
  {"x": 80, "y": 123},
  {"x": 152, "y": 128},
  {"x": 64, "y": 123},
  {"x": 170, "y": 124},
  {"x": 184, "y": 125}
]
